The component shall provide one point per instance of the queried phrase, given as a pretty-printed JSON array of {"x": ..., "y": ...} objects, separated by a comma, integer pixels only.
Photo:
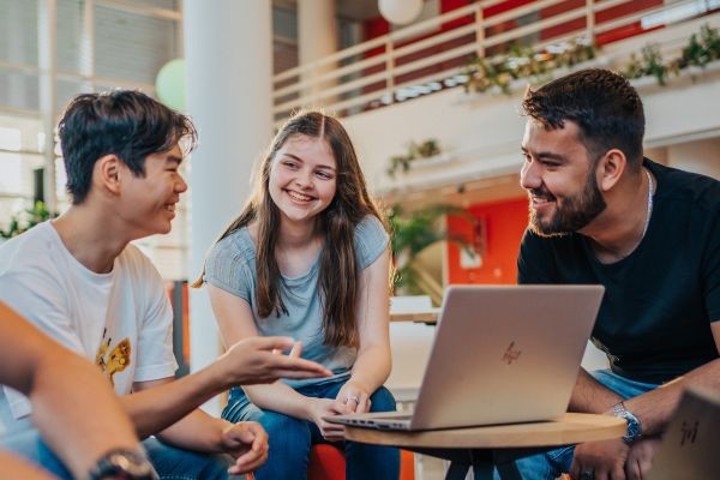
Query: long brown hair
[{"x": 339, "y": 275}]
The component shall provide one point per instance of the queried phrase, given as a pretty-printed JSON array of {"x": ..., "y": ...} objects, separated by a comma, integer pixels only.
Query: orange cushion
[{"x": 328, "y": 463}]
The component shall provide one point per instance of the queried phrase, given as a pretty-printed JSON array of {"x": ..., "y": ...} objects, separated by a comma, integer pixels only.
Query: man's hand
[
  {"x": 247, "y": 442},
  {"x": 640, "y": 457},
  {"x": 352, "y": 398},
  {"x": 606, "y": 459},
  {"x": 318, "y": 409},
  {"x": 260, "y": 360}
]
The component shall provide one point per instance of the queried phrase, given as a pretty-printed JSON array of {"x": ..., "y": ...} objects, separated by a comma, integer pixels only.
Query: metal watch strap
[{"x": 634, "y": 426}]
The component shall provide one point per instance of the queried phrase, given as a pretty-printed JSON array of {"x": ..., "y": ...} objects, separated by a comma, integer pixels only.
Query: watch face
[{"x": 123, "y": 464}]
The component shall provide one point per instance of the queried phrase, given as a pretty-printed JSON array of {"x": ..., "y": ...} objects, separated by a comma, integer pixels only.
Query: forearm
[
  {"x": 372, "y": 367},
  {"x": 280, "y": 398},
  {"x": 80, "y": 419},
  {"x": 157, "y": 407},
  {"x": 590, "y": 396},
  {"x": 655, "y": 408},
  {"x": 14, "y": 468},
  {"x": 197, "y": 431}
]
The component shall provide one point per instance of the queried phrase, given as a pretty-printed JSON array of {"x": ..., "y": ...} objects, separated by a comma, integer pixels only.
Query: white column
[
  {"x": 317, "y": 38},
  {"x": 228, "y": 50}
]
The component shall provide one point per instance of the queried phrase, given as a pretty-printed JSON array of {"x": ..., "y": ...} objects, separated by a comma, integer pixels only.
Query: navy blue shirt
[{"x": 654, "y": 321}]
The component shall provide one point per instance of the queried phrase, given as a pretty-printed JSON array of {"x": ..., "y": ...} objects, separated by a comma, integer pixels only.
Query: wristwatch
[
  {"x": 634, "y": 427},
  {"x": 123, "y": 464}
]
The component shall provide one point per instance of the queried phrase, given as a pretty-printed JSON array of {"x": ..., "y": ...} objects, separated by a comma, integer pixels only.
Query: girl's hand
[
  {"x": 353, "y": 398},
  {"x": 318, "y": 409}
]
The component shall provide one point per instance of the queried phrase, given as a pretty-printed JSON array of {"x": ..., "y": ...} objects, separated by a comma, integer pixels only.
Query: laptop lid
[{"x": 505, "y": 354}]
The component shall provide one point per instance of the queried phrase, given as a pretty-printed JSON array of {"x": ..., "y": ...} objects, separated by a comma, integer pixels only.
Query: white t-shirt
[{"x": 121, "y": 320}]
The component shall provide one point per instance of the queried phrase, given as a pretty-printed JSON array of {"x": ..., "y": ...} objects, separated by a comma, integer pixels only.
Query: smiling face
[
  {"x": 303, "y": 178},
  {"x": 149, "y": 201},
  {"x": 559, "y": 177}
]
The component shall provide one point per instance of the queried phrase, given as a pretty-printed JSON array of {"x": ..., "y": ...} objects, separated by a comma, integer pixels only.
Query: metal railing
[{"x": 428, "y": 56}]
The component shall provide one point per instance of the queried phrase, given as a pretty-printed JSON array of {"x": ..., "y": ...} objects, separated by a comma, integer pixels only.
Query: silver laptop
[{"x": 502, "y": 354}]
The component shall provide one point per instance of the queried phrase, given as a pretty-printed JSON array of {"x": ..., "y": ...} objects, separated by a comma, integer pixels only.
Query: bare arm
[
  {"x": 655, "y": 407},
  {"x": 198, "y": 431},
  {"x": 654, "y": 410},
  {"x": 373, "y": 362},
  {"x": 75, "y": 409},
  {"x": 15, "y": 468},
  {"x": 235, "y": 321},
  {"x": 252, "y": 360},
  {"x": 590, "y": 396}
]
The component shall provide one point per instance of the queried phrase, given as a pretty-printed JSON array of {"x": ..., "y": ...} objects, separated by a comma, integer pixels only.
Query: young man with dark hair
[
  {"x": 80, "y": 280},
  {"x": 600, "y": 213}
]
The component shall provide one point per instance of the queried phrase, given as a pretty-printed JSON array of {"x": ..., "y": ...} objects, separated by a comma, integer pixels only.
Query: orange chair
[{"x": 328, "y": 463}]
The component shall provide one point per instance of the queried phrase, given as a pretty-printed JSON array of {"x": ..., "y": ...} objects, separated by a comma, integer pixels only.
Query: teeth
[
  {"x": 299, "y": 196},
  {"x": 170, "y": 208}
]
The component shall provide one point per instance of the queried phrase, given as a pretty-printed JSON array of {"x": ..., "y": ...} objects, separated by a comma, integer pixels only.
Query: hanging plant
[
  {"x": 428, "y": 148},
  {"x": 701, "y": 49},
  {"x": 499, "y": 71}
]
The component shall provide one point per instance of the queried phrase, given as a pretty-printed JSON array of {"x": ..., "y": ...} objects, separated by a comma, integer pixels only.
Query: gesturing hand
[
  {"x": 260, "y": 360},
  {"x": 247, "y": 442}
]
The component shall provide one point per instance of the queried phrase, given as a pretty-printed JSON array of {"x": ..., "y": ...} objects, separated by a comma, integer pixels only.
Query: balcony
[{"x": 408, "y": 86}]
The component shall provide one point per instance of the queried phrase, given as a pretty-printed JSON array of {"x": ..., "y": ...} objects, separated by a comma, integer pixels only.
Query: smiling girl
[{"x": 308, "y": 257}]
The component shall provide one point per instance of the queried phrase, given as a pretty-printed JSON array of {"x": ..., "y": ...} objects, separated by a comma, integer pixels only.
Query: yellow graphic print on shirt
[{"x": 112, "y": 361}]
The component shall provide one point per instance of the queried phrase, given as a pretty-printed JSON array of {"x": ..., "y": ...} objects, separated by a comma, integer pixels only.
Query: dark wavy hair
[
  {"x": 126, "y": 123},
  {"x": 339, "y": 274},
  {"x": 602, "y": 103}
]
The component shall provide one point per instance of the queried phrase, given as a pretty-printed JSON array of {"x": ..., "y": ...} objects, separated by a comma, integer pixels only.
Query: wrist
[
  {"x": 634, "y": 425},
  {"x": 123, "y": 464}
]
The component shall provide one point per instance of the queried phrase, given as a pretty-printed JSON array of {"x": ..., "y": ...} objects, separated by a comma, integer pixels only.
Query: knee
[
  {"x": 285, "y": 429},
  {"x": 382, "y": 401}
]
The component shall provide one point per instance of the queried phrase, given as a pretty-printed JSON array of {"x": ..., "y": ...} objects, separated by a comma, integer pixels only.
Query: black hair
[
  {"x": 602, "y": 103},
  {"x": 126, "y": 123}
]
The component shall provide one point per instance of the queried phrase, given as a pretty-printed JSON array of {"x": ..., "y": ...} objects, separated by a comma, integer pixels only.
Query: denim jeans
[
  {"x": 171, "y": 463},
  {"x": 549, "y": 465},
  {"x": 291, "y": 438}
]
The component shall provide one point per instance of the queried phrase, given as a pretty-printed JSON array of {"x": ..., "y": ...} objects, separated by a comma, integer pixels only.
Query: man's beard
[{"x": 572, "y": 214}]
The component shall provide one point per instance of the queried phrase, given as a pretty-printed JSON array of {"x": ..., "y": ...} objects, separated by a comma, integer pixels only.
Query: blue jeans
[
  {"x": 171, "y": 463},
  {"x": 551, "y": 464},
  {"x": 291, "y": 438}
]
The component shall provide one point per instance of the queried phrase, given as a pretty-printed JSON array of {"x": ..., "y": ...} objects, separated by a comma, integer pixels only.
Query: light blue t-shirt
[{"x": 232, "y": 267}]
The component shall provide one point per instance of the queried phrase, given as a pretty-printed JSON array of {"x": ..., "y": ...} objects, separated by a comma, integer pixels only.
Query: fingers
[
  {"x": 249, "y": 442},
  {"x": 271, "y": 344}
]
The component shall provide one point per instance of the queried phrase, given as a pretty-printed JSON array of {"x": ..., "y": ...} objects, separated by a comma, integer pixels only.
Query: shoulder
[
  {"x": 231, "y": 260},
  {"x": 133, "y": 257},
  {"x": 683, "y": 187},
  {"x": 32, "y": 250},
  {"x": 370, "y": 227},
  {"x": 370, "y": 240},
  {"x": 236, "y": 247}
]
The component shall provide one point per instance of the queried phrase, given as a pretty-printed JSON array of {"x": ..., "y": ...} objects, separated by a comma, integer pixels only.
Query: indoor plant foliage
[
  {"x": 413, "y": 232},
  {"x": 27, "y": 219},
  {"x": 426, "y": 149},
  {"x": 702, "y": 48},
  {"x": 499, "y": 71}
]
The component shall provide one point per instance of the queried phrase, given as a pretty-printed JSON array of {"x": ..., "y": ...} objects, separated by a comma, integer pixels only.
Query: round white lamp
[{"x": 400, "y": 12}]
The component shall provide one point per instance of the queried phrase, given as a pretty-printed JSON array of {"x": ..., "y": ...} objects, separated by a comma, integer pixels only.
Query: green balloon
[{"x": 170, "y": 84}]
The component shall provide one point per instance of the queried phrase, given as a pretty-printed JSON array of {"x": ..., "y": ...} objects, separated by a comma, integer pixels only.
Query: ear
[
  {"x": 610, "y": 169},
  {"x": 106, "y": 173}
]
